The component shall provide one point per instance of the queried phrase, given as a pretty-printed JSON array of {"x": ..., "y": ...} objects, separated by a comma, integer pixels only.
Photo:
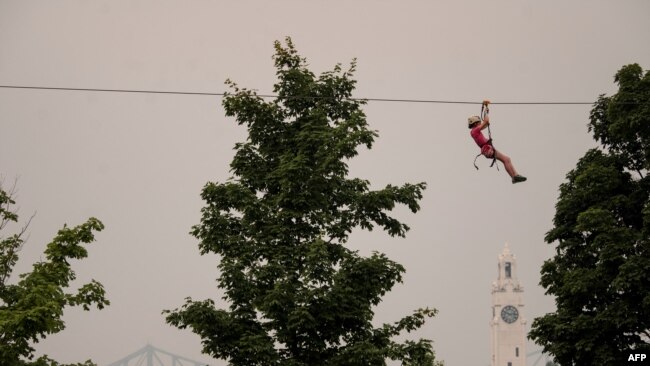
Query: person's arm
[{"x": 485, "y": 122}]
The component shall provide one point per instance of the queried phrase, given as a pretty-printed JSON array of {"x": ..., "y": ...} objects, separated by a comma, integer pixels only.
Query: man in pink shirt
[{"x": 476, "y": 125}]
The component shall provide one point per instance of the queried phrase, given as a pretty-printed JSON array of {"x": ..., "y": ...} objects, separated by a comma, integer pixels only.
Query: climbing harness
[{"x": 485, "y": 110}]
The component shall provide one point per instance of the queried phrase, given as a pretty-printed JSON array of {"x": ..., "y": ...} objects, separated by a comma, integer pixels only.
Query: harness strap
[{"x": 494, "y": 158}]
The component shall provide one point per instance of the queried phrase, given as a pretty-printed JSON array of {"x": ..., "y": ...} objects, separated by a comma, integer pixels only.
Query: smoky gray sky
[{"x": 138, "y": 161}]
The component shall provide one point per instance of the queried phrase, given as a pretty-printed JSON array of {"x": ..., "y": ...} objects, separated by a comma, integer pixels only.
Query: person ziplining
[{"x": 476, "y": 124}]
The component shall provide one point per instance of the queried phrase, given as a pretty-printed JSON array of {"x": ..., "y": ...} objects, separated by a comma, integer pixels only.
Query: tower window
[
  {"x": 509, "y": 363},
  {"x": 516, "y": 351},
  {"x": 508, "y": 270}
]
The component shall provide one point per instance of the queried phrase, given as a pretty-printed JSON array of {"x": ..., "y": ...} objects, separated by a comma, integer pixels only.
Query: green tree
[
  {"x": 600, "y": 275},
  {"x": 33, "y": 307},
  {"x": 297, "y": 295}
]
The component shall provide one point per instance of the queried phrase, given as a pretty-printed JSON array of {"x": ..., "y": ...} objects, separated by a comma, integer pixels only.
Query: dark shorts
[{"x": 488, "y": 151}]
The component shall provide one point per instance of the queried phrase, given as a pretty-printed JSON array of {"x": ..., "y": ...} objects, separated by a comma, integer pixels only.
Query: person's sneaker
[{"x": 518, "y": 178}]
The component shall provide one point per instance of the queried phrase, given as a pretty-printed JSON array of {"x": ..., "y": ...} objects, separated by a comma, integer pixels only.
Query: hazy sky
[{"x": 138, "y": 161}]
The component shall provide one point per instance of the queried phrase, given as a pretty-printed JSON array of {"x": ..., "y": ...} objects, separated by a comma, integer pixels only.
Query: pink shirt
[{"x": 478, "y": 136}]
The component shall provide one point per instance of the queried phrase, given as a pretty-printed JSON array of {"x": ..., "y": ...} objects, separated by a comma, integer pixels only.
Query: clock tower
[{"x": 508, "y": 325}]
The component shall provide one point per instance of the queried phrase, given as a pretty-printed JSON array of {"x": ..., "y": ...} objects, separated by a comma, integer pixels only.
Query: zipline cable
[{"x": 289, "y": 97}]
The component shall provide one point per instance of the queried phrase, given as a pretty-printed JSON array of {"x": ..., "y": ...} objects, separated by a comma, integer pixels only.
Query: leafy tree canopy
[
  {"x": 297, "y": 295},
  {"x": 33, "y": 308},
  {"x": 600, "y": 275}
]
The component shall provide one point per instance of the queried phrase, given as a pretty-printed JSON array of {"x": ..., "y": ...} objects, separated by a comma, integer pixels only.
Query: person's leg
[{"x": 507, "y": 163}]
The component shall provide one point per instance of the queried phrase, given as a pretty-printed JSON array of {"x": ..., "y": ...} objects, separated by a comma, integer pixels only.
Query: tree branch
[{"x": 12, "y": 245}]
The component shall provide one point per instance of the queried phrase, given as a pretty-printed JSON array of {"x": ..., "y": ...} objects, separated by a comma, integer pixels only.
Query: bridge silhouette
[
  {"x": 539, "y": 356},
  {"x": 152, "y": 356}
]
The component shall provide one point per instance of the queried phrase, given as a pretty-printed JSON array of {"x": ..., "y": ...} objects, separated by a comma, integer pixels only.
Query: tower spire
[{"x": 506, "y": 249}]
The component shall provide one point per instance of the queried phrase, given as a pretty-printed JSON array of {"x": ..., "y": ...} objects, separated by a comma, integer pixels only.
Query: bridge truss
[{"x": 152, "y": 356}]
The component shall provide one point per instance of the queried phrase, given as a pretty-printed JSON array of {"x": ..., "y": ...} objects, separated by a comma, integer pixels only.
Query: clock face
[{"x": 509, "y": 314}]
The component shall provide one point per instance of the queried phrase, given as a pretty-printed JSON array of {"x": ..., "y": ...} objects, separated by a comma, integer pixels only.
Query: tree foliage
[
  {"x": 33, "y": 307},
  {"x": 600, "y": 275},
  {"x": 297, "y": 294}
]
